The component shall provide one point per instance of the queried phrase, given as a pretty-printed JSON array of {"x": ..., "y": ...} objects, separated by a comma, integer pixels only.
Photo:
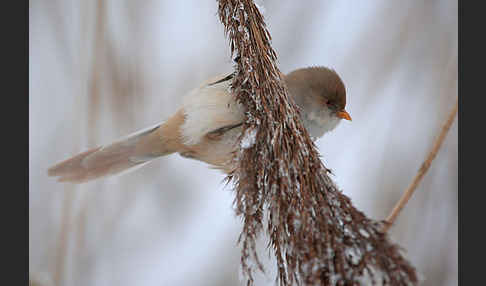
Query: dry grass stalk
[
  {"x": 317, "y": 235},
  {"x": 423, "y": 169}
]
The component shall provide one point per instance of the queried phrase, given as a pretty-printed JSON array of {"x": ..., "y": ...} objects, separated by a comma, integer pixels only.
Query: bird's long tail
[{"x": 133, "y": 150}]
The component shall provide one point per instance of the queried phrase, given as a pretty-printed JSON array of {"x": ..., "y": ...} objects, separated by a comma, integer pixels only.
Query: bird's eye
[{"x": 331, "y": 105}]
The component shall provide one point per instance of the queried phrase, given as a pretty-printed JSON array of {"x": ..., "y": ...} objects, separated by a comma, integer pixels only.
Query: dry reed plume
[{"x": 317, "y": 235}]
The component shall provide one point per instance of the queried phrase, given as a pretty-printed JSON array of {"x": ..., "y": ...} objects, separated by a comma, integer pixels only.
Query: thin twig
[{"x": 422, "y": 171}]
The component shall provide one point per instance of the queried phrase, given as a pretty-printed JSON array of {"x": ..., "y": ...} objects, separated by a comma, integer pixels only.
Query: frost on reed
[{"x": 316, "y": 234}]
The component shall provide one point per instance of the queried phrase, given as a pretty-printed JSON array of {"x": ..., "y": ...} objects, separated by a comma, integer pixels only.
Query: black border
[
  {"x": 15, "y": 138},
  {"x": 471, "y": 121}
]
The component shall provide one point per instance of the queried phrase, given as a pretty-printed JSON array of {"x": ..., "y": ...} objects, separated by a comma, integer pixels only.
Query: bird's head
[{"x": 321, "y": 95}]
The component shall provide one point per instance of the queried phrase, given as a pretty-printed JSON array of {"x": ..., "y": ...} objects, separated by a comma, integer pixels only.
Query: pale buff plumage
[{"x": 207, "y": 125}]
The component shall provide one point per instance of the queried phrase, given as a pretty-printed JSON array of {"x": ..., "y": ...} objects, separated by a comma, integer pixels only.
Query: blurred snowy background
[{"x": 102, "y": 69}]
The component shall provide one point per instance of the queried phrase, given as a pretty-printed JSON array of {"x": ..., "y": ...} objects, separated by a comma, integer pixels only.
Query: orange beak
[{"x": 344, "y": 115}]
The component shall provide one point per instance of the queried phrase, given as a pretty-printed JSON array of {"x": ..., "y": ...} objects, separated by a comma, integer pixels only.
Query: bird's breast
[{"x": 318, "y": 122}]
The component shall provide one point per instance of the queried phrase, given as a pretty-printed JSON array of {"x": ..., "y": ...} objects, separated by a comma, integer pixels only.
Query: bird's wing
[{"x": 209, "y": 108}]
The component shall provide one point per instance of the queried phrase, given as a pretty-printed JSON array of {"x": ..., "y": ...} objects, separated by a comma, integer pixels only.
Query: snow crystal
[
  {"x": 297, "y": 224},
  {"x": 371, "y": 276},
  {"x": 249, "y": 139},
  {"x": 364, "y": 233},
  {"x": 226, "y": 11},
  {"x": 334, "y": 278},
  {"x": 369, "y": 247},
  {"x": 347, "y": 218},
  {"x": 282, "y": 172},
  {"x": 353, "y": 254},
  {"x": 246, "y": 34}
]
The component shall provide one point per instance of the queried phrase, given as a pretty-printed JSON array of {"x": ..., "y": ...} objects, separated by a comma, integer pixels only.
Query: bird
[{"x": 207, "y": 126}]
